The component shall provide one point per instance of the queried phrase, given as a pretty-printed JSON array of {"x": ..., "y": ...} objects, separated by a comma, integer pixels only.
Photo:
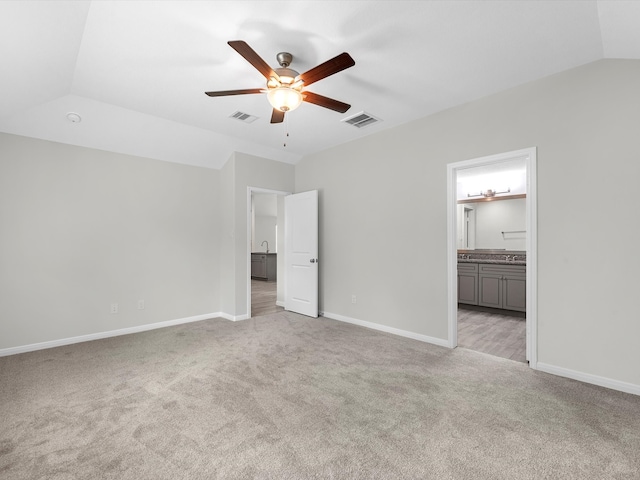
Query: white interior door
[{"x": 301, "y": 253}]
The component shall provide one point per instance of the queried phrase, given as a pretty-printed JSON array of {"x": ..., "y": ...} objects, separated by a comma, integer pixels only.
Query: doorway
[
  {"x": 456, "y": 216},
  {"x": 265, "y": 245}
]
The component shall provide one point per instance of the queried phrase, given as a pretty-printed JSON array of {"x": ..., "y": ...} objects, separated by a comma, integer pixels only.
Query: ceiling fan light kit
[
  {"x": 284, "y": 90},
  {"x": 285, "y": 86},
  {"x": 284, "y": 98}
]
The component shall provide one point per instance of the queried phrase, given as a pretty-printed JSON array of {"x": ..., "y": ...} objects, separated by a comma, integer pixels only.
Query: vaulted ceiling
[{"x": 136, "y": 71}]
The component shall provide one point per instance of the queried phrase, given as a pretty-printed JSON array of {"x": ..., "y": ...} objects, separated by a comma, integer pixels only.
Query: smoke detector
[{"x": 74, "y": 117}]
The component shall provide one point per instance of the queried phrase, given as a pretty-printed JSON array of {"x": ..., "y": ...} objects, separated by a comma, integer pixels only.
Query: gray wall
[
  {"x": 493, "y": 218},
  {"x": 383, "y": 214},
  {"x": 265, "y": 221},
  {"x": 83, "y": 228},
  {"x": 240, "y": 172},
  {"x": 265, "y": 230}
]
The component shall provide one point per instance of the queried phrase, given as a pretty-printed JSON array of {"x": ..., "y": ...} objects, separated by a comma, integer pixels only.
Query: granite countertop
[
  {"x": 492, "y": 260},
  {"x": 495, "y": 261}
]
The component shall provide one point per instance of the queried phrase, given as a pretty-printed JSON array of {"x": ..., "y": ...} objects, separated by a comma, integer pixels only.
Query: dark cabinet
[
  {"x": 502, "y": 286},
  {"x": 468, "y": 283},
  {"x": 493, "y": 285},
  {"x": 264, "y": 266}
]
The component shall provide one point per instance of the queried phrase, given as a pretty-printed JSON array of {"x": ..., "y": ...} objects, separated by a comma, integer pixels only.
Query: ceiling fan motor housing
[
  {"x": 287, "y": 75},
  {"x": 284, "y": 59}
]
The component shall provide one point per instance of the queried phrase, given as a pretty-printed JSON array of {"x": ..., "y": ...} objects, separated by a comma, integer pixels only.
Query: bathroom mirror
[{"x": 492, "y": 225}]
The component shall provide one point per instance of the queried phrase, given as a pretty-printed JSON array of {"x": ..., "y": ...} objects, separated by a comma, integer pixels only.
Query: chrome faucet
[
  {"x": 515, "y": 257},
  {"x": 267, "y": 245},
  {"x": 507, "y": 257}
]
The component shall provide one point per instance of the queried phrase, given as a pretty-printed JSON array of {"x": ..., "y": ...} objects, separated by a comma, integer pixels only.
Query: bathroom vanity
[{"x": 493, "y": 280}]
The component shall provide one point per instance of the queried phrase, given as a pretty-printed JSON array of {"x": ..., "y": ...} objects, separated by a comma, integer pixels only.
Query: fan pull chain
[{"x": 286, "y": 129}]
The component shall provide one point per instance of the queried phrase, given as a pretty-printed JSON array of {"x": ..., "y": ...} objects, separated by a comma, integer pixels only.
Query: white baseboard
[
  {"x": 280, "y": 304},
  {"x": 233, "y": 318},
  {"x": 384, "y": 328},
  {"x": 112, "y": 333},
  {"x": 589, "y": 378},
  {"x": 543, "y": 367}
]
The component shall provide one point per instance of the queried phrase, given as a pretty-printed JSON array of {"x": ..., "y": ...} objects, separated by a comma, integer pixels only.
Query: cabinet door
[
  {"x": 468, "y": 288},
  {"x": 258, "y": 266},
  {"x": 515, "y": 293},
  {"x": 254, "y": 265},
  {"x": 490, "y": 290},
  {"x": 271, "y": 267}
]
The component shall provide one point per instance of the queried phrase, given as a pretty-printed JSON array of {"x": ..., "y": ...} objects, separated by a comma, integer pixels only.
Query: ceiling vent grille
[
  {"x": 243, "y": 117},
  {"x": 361, "y": 120}
]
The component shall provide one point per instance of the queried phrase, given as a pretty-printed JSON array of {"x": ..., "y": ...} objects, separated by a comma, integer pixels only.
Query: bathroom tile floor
[
  {"x": 263, "y": 298},
  {"x": 501, "y": 335}
]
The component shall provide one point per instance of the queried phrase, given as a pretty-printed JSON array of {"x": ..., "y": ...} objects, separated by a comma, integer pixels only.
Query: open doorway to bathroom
[
  {"x": 266, "y": 285},
  {"x": 492, "y": 255}
]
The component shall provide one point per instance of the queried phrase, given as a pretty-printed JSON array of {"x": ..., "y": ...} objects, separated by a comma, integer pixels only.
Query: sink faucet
[
  {"x": 507, "y": 257},
  {"x": 515, "y": 257},
  {"x": 267, "y": 245}
]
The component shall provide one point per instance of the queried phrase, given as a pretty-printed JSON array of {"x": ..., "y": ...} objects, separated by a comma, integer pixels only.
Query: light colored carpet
[{"x": 289, "y": 397}]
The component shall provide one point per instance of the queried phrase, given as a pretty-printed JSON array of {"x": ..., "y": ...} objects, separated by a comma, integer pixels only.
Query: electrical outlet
[
  {"x": 140, "y": 304},
  {"x": 114, "y": 308},
  {"x": 353, "y": 299}
]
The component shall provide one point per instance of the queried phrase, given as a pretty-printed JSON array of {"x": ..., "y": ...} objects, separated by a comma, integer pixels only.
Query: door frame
[
  {"x": 530, "y": 155},
  {"x": 250, "y": 191}
]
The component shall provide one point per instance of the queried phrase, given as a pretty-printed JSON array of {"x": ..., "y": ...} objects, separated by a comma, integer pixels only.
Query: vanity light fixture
[{"x": 488, "y": 193}]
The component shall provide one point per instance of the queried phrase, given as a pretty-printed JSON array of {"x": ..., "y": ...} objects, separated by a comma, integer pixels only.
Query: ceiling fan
[{"x": 285, "y": 85}]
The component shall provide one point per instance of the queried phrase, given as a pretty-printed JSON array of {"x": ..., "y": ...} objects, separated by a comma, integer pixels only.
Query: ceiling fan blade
[
  {"x": 225, "y": 93},
  {"x": 252, "y": 57},
  {"x": 325, "y": 102},
  {"x": 277, "y": 116},
  {"x": 335, "y": 65}
]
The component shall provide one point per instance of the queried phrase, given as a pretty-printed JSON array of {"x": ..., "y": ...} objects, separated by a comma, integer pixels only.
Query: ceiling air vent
[
  {"x": 361, "y": 120},
  {"x": 244, "y": 117}
]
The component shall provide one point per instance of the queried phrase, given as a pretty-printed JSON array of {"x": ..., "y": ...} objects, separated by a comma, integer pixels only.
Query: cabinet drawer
[
  {"x": 468, "y": 267},
  {"x": 511, "y": 270}
]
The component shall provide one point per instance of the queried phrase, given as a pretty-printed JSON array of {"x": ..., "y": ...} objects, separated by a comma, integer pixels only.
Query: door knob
[{"x": 314, "y": 260}]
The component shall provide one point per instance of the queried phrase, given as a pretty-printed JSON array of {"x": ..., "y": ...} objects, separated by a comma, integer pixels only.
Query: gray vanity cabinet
[
  {"x": 502, "y": 286},
  {"x": 264, "y": 266},
  {"x": 468, "y": 283}
]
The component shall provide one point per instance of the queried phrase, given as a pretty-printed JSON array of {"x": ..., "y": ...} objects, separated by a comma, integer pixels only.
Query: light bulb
[{"x": 284, "y": 99}]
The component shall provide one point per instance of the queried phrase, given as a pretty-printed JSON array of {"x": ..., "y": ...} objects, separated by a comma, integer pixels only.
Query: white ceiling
[{"x": 136, "y": 71}]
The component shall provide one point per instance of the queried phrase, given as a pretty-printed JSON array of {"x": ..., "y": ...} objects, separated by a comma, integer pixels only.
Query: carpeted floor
[{"x": 290, "y": 397}]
